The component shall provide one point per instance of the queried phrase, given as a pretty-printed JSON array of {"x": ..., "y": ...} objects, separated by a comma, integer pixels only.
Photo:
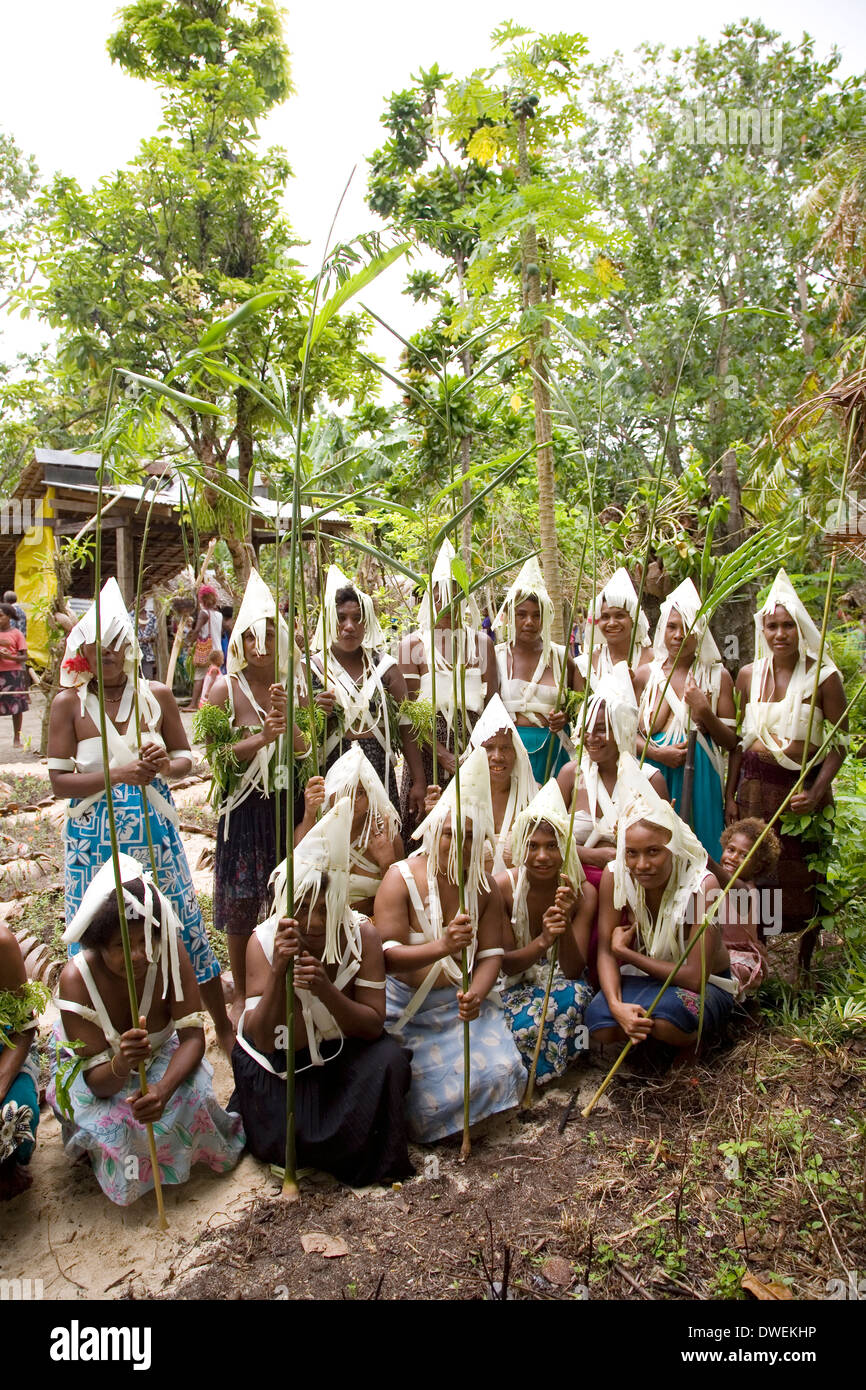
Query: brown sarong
[{"x": 762, "y": 788}]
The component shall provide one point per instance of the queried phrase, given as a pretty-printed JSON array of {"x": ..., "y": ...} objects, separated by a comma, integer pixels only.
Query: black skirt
[
  {"x": 349, "y": 1114},
  {"x": 244, "y": 861}
]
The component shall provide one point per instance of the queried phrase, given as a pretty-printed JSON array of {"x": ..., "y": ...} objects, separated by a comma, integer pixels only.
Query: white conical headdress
[
  {"x": 618, "y": 592},
  {"x": 664, "y": 938},
  {"x": 548, "y": 805},
  {"x": 496, "y": 719},
  {"x": 346, "y": 775},
  {"x": 613, "y": 693},
  {"x": 528, "y": 584},
  {"x": 336, "y": 580},
  {"x": 475, "y": 806},
  {"x": 102, "y": 889},
  {"x": 257, "y": 606},
  {"x": 686, "y": 601},
  {"x": 442, "y": 592},
  {"x": 323, "y": 850},
  {"x": 115, "y": 628},
  {"x": 783, "y": 594}
]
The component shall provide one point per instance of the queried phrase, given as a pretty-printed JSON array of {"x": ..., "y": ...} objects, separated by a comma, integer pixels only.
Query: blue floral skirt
[
  {"x": 88, "y": 847},
  {"x": 565, "y": 1034}
]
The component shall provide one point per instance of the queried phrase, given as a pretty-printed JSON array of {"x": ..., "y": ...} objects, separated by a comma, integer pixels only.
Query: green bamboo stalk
[
  {"x": 112, "y": 825},
  {"x": 710, "y": 916},
  {"x": 526, "y": 1102}
]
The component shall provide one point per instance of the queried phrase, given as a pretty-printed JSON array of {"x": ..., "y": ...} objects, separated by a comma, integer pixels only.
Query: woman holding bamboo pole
[
  {"x": 614, "y": 614},
  {"x": 368, "y": 686},
  {"x": 138, "y": 775},
  {"x": 244, "y": 731},
  {"x": 777, "y": 689},
  {"x": 652, "y": 901},
  {"x": 428, "y": 656},
  {"x": 351, "y": 1077},
  {"x": 375, "y": 841},
  {"x": 608, "y": 770},
  {"x": 547, "y": 902},
  {"x": 512, "y": 785},
  {"x": 100, "y": 1112},
  {"x": 423, "y": 936},
  {"x": 684, "y": 690},
  {"x": 530, "y": 671}
]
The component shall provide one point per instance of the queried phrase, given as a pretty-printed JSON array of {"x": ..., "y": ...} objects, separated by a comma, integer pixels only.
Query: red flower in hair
[{"x": 77, "y": 663}]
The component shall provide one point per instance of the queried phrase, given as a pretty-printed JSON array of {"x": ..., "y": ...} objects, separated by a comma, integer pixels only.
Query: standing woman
[
  {"x": 612, "y": 616},
  {"x": 530, "y": 668},
  {"x": 777, "y": 688},
  {"x": 685, "y": 690},
  {"x": 206, "y": 634},
  {"x": 138, "y": 778},
  {"x": 348, "y": 657},
  {"x": 14, "y": 699},
  {"x": 248, "y": 760},
  {"x": 436, "y": 644}
]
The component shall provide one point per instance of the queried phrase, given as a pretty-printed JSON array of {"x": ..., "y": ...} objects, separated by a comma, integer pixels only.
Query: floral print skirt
[
  {"x": 193, "y": 1128},
  {"x": 565, "y": 1035}
]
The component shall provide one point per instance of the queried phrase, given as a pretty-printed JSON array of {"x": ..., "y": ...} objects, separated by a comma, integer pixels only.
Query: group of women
[{"x": 421, "y": 905}]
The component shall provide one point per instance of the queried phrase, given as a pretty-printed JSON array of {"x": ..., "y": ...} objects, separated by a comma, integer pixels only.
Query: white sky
[{"x": 65, "y": 103}]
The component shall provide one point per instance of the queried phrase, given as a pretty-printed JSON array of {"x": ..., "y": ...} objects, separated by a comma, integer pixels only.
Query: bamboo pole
[{"x": 112, "y": 825}]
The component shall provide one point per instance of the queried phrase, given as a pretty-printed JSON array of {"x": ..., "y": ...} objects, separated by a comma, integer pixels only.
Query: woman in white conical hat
[
  {"x": 686, "y": 689},
  {"x": 423, "y": 934},
  {"x": 376, "y": 842},
  {"x": 349, "y": 657},
  {"x": 250, "y": 769},
  {"x": 547, "y": 901},
  {"x": 530, "y": 668},
  {"x": 776, "y": 690},
  {"x": 512, "y": 785},
  {"x": 652, "y": 901},
  {"x": 109, "y": 1114},
  {"x": 139, "y": 770},
  {"x": 428, "y": 654},
  {"x": 613, "y": 614},
  {"x": 351, "y": 1077},
  {"x": 609, "y": 772}
]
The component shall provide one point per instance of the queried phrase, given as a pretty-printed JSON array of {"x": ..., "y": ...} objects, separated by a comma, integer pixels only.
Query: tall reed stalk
[{"x": 112, "y": 824}]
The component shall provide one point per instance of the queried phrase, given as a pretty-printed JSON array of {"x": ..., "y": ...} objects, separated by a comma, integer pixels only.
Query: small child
[
  {"x": 214, "y": 671},
  {"x": 741, "y": 912}
]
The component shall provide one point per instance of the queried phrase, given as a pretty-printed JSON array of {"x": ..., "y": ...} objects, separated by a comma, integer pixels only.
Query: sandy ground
[{"x": 63, "y": 1230}]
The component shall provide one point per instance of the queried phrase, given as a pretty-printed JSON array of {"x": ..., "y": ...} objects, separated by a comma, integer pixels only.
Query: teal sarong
[
  {"x": 707, "y": 817},
  {"x": 536, "y": 741}
]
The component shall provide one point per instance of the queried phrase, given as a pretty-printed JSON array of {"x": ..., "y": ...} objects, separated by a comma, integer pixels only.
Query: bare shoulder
[
  {"x": 65, "y": 702},
  {"x": 11, "y": 960},
  {"x": 71, "y": 985},
  {"x": 744, "y": 676},
  {"x": 219, "y": 692}
]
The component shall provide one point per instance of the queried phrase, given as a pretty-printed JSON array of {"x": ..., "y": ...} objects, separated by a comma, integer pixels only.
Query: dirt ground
[{"x": 744, "y": 1176}]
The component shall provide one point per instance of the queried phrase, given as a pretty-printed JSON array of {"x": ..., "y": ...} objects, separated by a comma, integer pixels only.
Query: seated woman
[
  {"x": 19, "y": 1071},
  {"x": 351, "y": 1078},
  {"x": 608, "y": 764},
  {"x": 741, "y": 913},
  {"x": 547, "y": 902},
  {"x": 652, "y": 902},
  {"x": 530, "y": 669},
  {"x": 375, "y": 834},
  {"x": 686, "y": 689},
  {"x": 109, "y": 1116},
  {"x": 512, "y": 785},
  {"x": 608, "y": 630},
  {"x": 425, "y": 1000}
]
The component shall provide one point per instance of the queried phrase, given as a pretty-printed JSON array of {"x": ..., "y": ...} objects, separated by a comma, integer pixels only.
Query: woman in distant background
[
  {"x": 14, "y": 699},
  {"x": 207, "y": 632}
]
